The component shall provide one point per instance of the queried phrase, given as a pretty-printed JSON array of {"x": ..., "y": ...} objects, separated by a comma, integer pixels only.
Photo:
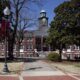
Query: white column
[
  {"x": 49, "y": 47},
  {"x": 42, "y": 43}
]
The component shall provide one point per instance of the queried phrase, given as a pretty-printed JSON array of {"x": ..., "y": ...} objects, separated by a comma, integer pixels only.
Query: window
[
  {"x": 29, "y": 47},
  {"x": 3, "y": 46},
  {"x": 29, "y": 39},
  {"x": 21, "y": 47}
]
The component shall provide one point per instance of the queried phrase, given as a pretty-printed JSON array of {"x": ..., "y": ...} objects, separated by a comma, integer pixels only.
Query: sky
[{"x": 50, "y": 6}]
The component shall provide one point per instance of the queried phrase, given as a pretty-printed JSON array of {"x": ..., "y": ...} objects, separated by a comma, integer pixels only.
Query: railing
[
  {"x": 73, "y": 55},
  {"x": 19, "y": 54}
]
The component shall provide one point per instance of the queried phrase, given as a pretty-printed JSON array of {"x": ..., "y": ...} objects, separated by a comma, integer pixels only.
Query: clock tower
[{"x": 43, "y": 20}]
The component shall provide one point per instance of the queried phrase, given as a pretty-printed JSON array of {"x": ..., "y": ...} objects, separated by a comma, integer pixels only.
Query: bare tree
[
  {"x": 21, "y": 31},
  {"x": 20, "y": 11}
]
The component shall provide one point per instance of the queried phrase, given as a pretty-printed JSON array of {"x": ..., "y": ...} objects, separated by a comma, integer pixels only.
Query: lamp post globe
[{"x": 6, "y": 12}]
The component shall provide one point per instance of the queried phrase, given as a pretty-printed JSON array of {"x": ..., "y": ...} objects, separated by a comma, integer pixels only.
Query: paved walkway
[{"x": 40, "y": 70}]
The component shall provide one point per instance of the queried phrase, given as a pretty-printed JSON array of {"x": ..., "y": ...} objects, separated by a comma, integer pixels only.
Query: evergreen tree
[{"x": 65, "y": 28}]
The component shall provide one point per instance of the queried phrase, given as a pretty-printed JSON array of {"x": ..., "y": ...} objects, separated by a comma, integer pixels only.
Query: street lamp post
[{"x": 6, "y": 12}]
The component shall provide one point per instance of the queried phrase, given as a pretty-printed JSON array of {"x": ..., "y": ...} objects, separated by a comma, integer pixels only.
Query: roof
[
  {"x": 43, "y": 11},
  {"x": 43, "y": 31}
]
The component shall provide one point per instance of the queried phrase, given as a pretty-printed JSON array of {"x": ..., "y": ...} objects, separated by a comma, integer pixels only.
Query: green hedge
[{"x": 53, "y": 56}]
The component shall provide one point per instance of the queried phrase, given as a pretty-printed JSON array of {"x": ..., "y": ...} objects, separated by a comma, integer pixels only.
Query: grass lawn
[
  {"x": 66, "y": 66},
  {"x": 77, "y": 65},
  {"x": 14, "y": 67}
]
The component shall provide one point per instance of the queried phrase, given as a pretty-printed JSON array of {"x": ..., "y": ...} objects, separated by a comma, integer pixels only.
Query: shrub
[{"x": 53, "y": 56}]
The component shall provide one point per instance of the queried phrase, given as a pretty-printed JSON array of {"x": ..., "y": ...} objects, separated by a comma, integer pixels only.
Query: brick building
[
  {"x": 37, "y": 39},
  {"x": 33, "y": 39}
]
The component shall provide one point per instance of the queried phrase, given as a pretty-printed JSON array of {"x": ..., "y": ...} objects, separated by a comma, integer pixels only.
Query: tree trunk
[
  {"x": 60, "y": 53},
  {"x": 11, "y": 41},
  {"x": 18, "y": 50},
  {"x": 10, "y": 49},
  {"x": 11, "y": 38}
]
